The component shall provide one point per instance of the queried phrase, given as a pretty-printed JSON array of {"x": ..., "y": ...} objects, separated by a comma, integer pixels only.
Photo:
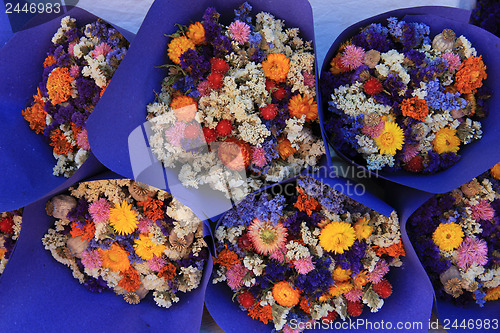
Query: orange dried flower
[
  {"x": 49, "y": 61},
  {"x": 305, "y": 203},
  {"x": 470, "y": 75},
  {"x": 35, "y": 115},
  {"x": 167, "y": 272},
  {"x": 152, "y": 208},
  {"x": 227, "y": 258},
  {"x": 60, "y": 142},
  {"x": 75, "y": 230},
  {"x": 285, "y": 294},
  {"x": 262, "y": 313},
  {"x": 131, "y": 280},
  {"x": 492, "y": 294},
  {"x": 304, "y": 305},
  {"x": 340, "y": 288},
  {"x": 276, "y": 67},
  {"x": 361, "y": 279},
  {"x": 184, "y": 107},
  {"x": 285, "y": 148},
  {"x": 303, "y": 105},
  {"x": 178, "y": 46},
  {"x": 59, "y": 85},
  {"x": 87, "y": 232},
  {"x": 415, "y": 107},
  {"x": 196, "y": 33},
  {"x": 394, "y": 250},
  {"x": 2, "y": 253}
]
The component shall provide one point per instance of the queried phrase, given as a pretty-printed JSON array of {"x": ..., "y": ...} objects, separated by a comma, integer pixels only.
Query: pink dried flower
[
  {"x": 373, "y": 131},
  {"x": 99, "y": 210},
  {"x": 409, "y": 152},
  {"x": 354, "y": 295},
  {"x": 235, "y": 275},
  {"x": 71, "y": 47},
  {"x": 303, "y": 265},
  {"x": 156, "y": 263},
  {"x": 453, "y": 60},
  {"x": 175, "y": 133},
  {"x": 143, "y": 225},
  {"x": 91, "y": 259},
  {"x": 471, "y": 251},
  {"x": 74, "y": 71},
  {"x": 103, "y": 49},
  {"x": 482, "y": 211},
  {"x": 204, "y": 88},
  {"x": 309, "y": 79},
  {"x": 352, "y": 57},
  {"x": 239, "y": 31},
  {"x": 259, "y": 157},
  {"x": 82, "y": 140},
  {"x": 381, "y": 269}
]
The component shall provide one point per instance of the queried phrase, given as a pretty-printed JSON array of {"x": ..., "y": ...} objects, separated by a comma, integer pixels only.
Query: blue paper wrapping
[
  {"x": 38, "y": 292},
  {"x": 138, "y": 80},
  {"x": 27, "y": 161},
  {"x": 411, "y": 300},
  {"x": 407, "y": 202},
  {"x": 477, "y": 156}
]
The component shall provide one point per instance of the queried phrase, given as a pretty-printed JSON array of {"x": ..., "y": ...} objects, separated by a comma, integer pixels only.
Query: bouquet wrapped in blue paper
[
  {"x": 10, "y": 226},
  {"x": 456, "y": 236},
  {"x": 406, "y": 94},
  {"x": 53, "y": 75},
  {"x": 302, "y": 255}
]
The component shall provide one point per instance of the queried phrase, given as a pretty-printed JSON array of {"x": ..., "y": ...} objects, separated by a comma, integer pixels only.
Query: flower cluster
[
  {"x": 238, "y": 100},
  {"x": 314, "y": 254},
  {"x": 79, "y": 64},
  {"x": 457, "y": 237},
  {"x": 400, "y": 100},
  {"x": 10, "y": 226},
  {"x": 128, "y": 237}
]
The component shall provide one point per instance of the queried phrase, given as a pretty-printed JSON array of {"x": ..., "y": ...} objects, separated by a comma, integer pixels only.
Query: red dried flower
[
  {"x": 268, "y": 111},
  {"x": 373, "y": 86},
  {"x": 331, "y": 316},
  {"x": 210, "y": 134},
  {"x": 246, "y": 299},
  {"x": 416, "y": 164},
  {"x": 224, "y": 127},
  {"x": 6, "y": 224},
  {"x": 215, "y": 80},
  {"x": 244, "y": 242},
  {"x": 270, "y": 85},
  {"x": 219, "y": 65},
  {"x": 383, "y": 288},
  {"x": 354, "y": 309},
  {"x": 235, "y": 154}
]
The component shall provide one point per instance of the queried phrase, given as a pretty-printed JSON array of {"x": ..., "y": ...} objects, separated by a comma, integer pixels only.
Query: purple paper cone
[
  {"x": 125, "y": 149},
  {"x": 475, "y": 157},
  {"x": 27, "y": 161},
  {"x": 411, "y": 301},
  {"x": 39, "y": 292}
]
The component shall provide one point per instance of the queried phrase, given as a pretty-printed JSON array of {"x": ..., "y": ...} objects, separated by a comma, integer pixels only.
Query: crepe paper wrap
[
  {"x": 411, "y": 298},
  {"x": 37, "y": 291},
  {"x": 478, "y": 155},
  {"x": 132, "y": 134},
  {"x": 10, "y": 226},
  {"x": 27, "y": 160}
]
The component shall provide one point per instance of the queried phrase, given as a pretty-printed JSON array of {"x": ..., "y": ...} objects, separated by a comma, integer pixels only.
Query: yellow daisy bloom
[
  {"x": 448, "y": 236},
  {"x": 446, "y": 140},
  {"x": 337, "y": 237},
  {"x": 146, "y": 249},
  {"x": 391, "y": 139},
  {"x": 123, "y": 219}
]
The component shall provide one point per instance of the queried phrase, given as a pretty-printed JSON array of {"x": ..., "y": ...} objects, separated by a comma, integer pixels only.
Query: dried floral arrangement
[
  {"x": 457, "y": 237},
  {"x": 127, "y": 237},
  {"x": 238, "y": 106},
  {"x": 314, "y": 255},
  {"x": 402, "y": 99},
  {"x": 79, "y": 65},
  {"x": 10, "y": 226}
]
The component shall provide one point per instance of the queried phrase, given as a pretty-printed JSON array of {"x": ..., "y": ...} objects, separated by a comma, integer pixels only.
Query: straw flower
[
  {"x": 196, "y": 33},
  {"x": 337, "y": 237},
  {"x": 146, "y": 249},
  {"x": 115, "y": 258},
  {"x": 446, "y": 140},
  {"x": 285, "y": 294},
  {"x": 391, "y": 139},
  {"x": 303, "y": 105},
  {"x": 276, "y": 67},
  {"x": 178, "y": 46},
  {"x": 267, "y": 238},
  {"x": 448, "y": 236},
  {"x": 123, "y": 219}
]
